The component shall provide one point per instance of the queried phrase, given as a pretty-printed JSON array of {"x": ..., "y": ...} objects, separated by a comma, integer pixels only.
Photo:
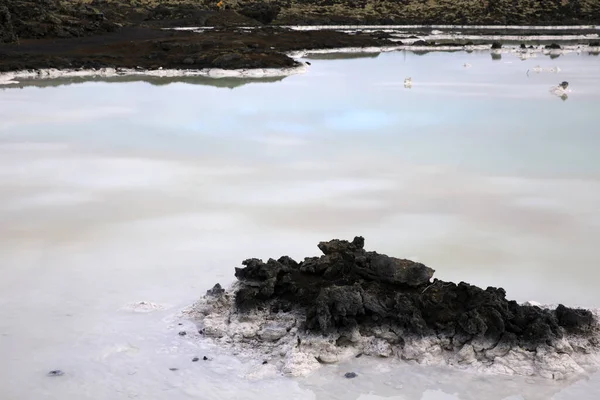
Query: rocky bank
[
  {"x": 349, "y": 302},
  {"x": 26, "y": 19},
  {"x": 146, "y": 48},
  {"x": 129, "y": 34}
]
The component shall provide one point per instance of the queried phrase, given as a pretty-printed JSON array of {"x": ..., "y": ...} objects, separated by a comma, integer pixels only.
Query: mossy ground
[{"x": 464, "y": 12}]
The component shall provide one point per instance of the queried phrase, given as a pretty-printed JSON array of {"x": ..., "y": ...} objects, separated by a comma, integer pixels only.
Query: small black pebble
[
  {"x": 182, "y": 333},
  {"x": 358, "y": 355},
  {"x": 56, "y": 372},
  {"x": 195, "y": 359},
  {"x": 205, "y": 358},
  {"x": 201, "y": 331},
  {"x": 308, "y": 63},
  {"x": 180, "y": 324},
  {"x": 350, "y": 375},
  {"x": 264, "y": 362},
  {"x": 173, "y": 369}
]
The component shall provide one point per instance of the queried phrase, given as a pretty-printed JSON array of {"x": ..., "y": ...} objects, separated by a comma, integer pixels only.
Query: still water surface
[{"x": 120, "y": 191}]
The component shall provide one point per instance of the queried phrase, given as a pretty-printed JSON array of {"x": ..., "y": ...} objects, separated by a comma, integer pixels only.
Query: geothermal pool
[{"x": 123, "y": 190}]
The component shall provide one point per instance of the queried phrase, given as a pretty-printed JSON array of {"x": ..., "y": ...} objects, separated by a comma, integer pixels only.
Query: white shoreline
[
  {"x": 373, "y": 49},
  {"x": 396, "y": 27},
  {"x": 9, "y": 78},
  {"x": 507, "y": 27},
  {"x": 540, "y": 49},
  {"x": 435, "y": 35},
  {"x": 515, "y": 38}
]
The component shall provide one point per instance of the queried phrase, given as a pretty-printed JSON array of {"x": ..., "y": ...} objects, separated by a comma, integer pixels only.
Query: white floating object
[{"x": 143, "y": 307}]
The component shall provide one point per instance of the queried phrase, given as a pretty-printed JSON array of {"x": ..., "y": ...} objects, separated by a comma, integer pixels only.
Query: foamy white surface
[{"x": 115, "y": 194}]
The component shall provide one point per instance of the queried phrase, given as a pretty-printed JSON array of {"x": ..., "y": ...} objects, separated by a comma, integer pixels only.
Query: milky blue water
[{"x": 120, "y": 191}]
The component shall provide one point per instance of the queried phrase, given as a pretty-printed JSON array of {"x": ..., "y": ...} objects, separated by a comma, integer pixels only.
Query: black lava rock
[
  {"x": 350, "y": 375},
  {"x": 572, "y": 319},
  {"x": 205, "y": 358},
  {"x": 195, "y": 359},
  {"x": 349, "y": 287}
]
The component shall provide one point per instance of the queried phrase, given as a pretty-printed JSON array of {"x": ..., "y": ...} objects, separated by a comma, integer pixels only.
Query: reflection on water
[
  {"x": 342, "y": 56},
  {"x": 115, "y": 193},
  {"x": 230, "y": 83}
]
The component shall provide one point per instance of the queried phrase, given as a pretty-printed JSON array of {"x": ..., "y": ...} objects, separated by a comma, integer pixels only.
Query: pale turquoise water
[{"x": 119, "y": 192}]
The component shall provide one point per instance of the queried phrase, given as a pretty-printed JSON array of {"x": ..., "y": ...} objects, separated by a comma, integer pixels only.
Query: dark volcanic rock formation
[
  {"x": 349, "y": 287},
  {"x": 349, "y": 302}
]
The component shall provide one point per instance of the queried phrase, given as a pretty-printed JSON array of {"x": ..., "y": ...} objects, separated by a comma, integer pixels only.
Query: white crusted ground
[
  {"x": 12, "y": 77},
  {"x": 261, "y": 336},
  {"x": 408, "y": 45},
  {"x": 400, "y": 27}
]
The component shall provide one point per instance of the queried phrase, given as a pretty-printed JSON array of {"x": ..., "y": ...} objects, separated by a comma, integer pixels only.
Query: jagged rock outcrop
[
  {"x": 351, "y": 301},
  {"x": 348, "y": 287}
]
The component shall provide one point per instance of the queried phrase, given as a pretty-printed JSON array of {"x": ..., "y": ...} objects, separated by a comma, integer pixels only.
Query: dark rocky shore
[
  {"x": 39, "y": 34},
  {"x": 226, "y": 48},
  {"x": 350, "y": 301}
]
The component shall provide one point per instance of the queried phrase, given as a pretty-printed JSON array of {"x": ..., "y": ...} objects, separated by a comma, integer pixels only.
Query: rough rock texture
[
  {"x": 261, "y": 11},
  {"x": 456, "y": 12},
  {"x": 350, "y": 301},
  {"x": 24, "y": 19}
]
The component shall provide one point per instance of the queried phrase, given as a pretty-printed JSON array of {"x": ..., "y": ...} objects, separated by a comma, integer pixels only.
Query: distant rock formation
[
  {"x": 350, "y": 301},
  {"x": 34, "y": 19}
]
